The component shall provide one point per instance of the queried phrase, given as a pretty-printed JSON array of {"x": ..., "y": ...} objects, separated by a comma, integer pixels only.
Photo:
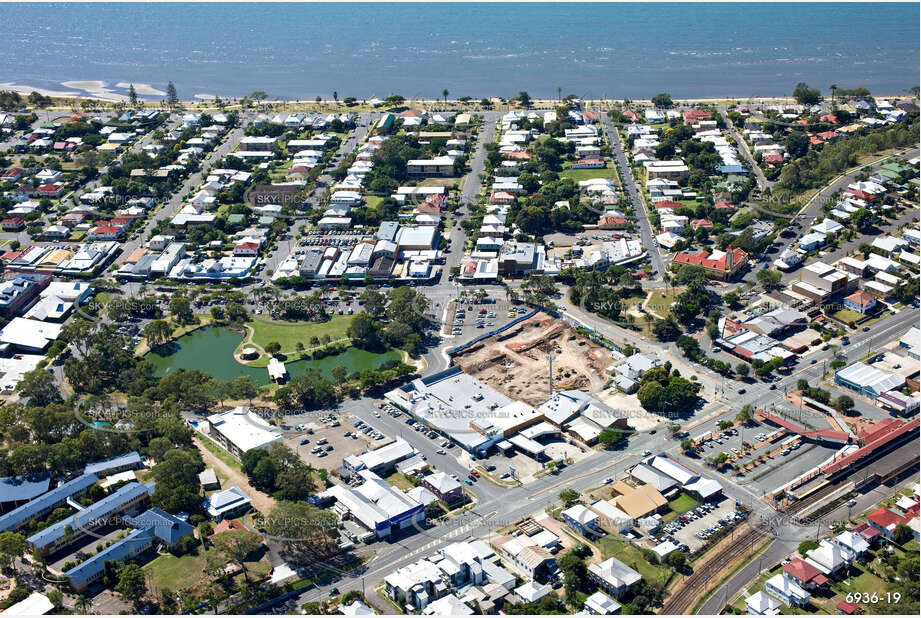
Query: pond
[{"x": 211, "y": 350}]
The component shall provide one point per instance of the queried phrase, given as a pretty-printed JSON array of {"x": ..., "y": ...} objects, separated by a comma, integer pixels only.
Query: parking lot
[
  {"x": 325, "y": 441},
  {"x": 332, "y": 238},
  {"x": 468, "y": 318},
  {"x": 694, "y": 528}
]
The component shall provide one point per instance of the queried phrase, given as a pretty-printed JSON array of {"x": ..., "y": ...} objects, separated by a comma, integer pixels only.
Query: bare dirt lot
[{"x": 515, "y": 362}]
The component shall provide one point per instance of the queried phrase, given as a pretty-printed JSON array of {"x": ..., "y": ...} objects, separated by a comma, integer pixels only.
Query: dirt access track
[{"x": 514, "y": 362}]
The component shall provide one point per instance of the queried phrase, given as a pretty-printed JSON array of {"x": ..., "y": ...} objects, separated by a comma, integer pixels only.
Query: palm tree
[
  {"x": 559, "y": 93},
  {"x": 445, "y": 94},
  {"x": 834, "y": 89},
  {"x": 82, "y": 604}
]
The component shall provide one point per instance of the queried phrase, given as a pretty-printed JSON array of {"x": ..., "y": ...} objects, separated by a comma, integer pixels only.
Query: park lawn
[
  {"x": 373, "y": 200},
  {"x": 288, "y": 334},
  {"x": 168, "y": 571},
  {"x": 683, "y": 503},
  {"x": 579, "y": 175},
  {"x": 660, "y": 301},
  {"x": 655, "y": 574}
]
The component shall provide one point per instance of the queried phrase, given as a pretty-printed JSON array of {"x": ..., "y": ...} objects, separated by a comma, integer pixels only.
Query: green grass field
[
  {"x": 848, "y": 315},
  {"x": 168, "y": 571},
  {"x": 683, "y": 503},
  {"x": 579, "y": 175},
  {"x": 288, "y": 334},
  {"x": 660, "y": 301},
  {"x": 373, "y": 200},
  {"x": 654, "y": 574}
]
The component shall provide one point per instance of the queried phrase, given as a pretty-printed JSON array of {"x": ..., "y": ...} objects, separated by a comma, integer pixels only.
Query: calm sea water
[{"x": 362, "y": 50}]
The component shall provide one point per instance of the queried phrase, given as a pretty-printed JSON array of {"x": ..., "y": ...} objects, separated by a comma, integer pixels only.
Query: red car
[{"x": 475, "y": 473}]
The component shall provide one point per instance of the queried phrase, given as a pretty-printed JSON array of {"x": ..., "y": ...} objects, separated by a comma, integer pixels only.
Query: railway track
[{"x": 701, "y": 580}]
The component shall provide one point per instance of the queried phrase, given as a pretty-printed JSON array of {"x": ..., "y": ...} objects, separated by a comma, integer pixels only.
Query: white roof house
[
  {"x": 761, "y": 604},
  {"x": 532, "y": 592},
  {"x": 828, "y": 557},
  {"x": 601, "y": 604}
]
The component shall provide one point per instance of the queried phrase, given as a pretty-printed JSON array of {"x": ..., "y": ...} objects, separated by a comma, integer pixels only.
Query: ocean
[{"x": 363, "y": 50}]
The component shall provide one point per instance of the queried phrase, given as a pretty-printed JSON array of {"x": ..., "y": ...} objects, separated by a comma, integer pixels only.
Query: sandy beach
[
  {"x": 30, "y": 89},
  {"x": 144, "y": 90}
]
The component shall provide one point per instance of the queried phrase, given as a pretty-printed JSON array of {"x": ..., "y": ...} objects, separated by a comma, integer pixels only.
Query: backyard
[
  {"x": 683, "y": 503},
  {"x": 655, "y": 575}
]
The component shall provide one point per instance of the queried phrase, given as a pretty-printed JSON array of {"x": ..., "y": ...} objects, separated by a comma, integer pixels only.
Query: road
[
  {"x": 741, "y": 146},
  {"x": 177, "y": 199},
  {"x": 636, "y": 199},
  {"x": 288, "y": 242}
]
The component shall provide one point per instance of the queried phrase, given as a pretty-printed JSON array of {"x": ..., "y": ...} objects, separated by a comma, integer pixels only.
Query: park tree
[
  {"x": 39, "y": 387},
  {"x": 525, "y": 99},
  {"x": 181, "y": 309},
  {"x": 172, "y": 97},
  {"x": 804, "y": 95},
  {"x": 131, "y": 585},
  {"x": 662, "y": 100},
  {"x": 157, "y": 333},
  {"x": 235, "y": 546},
  {"x": 132, "y": 96}
]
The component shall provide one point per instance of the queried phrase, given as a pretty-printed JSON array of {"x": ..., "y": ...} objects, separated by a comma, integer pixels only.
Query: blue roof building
[
  {"x": 167, "y": 528},
  {"x": 46, "y": 503},
  {"x": 129, "y": 499},
  {"x": 15, "y": 490},
  {"x": 84, "y": 574},
  {"x": 128, "y": 461}
]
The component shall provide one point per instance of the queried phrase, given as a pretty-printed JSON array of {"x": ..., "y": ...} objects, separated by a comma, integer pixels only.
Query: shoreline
[
  {"x": 98, "y": 90},
  {"x": 66, "y": 101}
]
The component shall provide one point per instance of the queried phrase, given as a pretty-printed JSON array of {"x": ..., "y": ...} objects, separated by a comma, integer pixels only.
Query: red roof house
[
  {"x": 52, "y": 190},
  {"x": 246, "y": 248},
  {"x": 885, "y": 521},
  {"x": 13, "y": 224},
  {"x": 699, "y": 223},
  {"x": 772, "y": 158},
  {"x": 13, "y": 174},
  {"x": 105, "y": 232},
  {"x": 804, "y": 574},
  {"x": 693, "y": 116},
  {"x": 723, "y": 206}
]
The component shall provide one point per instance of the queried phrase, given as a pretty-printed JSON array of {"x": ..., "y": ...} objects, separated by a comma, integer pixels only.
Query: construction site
[{"x": 515, "y": 362}]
